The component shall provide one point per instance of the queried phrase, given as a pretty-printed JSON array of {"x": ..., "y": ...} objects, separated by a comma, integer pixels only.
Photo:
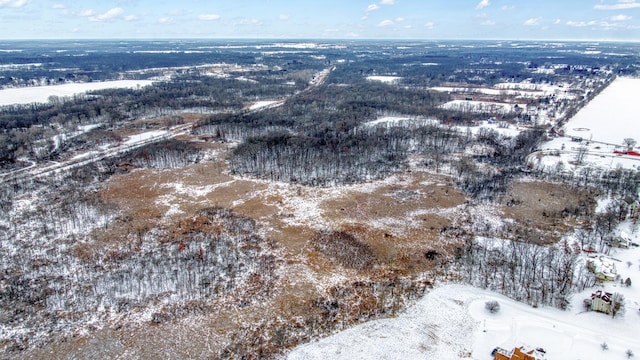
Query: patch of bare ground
[
  {"x": 403, "y": 221},
  {"x": 543, "y": 211}
]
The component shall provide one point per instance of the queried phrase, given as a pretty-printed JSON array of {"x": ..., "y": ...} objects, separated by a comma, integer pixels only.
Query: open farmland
[
  {"x": 42, "y": 94},
  {"x": 596, "y": 131}
]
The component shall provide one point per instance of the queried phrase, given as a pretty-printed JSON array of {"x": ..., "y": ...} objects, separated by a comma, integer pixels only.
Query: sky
[{"x": 617, "y": 20}]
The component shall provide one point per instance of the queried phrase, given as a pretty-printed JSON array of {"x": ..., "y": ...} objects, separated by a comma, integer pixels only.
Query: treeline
[
  {"x": 183, "y": 92},
  {"x": 169, "y": 154},
  {"x": 357, "y": 156},
  {"x": 101, "y": 62},
  {"x": 533, "y": 274},
  {"x": 617, "y": 182},
  {"x": 27, "y": 129}
]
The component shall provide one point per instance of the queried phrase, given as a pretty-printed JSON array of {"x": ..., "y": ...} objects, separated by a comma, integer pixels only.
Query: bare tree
[
  {"x": 617, "y": 304},
  {"x": 582, "y": 151},
  {"x": 493, "y": 306},
  {"x": 629, "y": 143}
]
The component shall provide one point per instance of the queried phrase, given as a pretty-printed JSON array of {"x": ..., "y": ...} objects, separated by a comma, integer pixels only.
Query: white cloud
[
  {"x": 387, "y": 2},
  {"x": 385, "y": 23},
  {"x": 408, "y": 27},
  {"x": 248, "y": 21},
  {"x": 557, "y": 22},
  {"x": 621, "y": 17},
  {"x": 488, "y": 23},
  {"x": 621, "y": 5},
  {"x": 507, "y": 7},
  {"x": 283, "y": 17},
  {"x": 58, "y": 6},
  {"x": 165, "y": 20},
  {"x": 532, "y": 22},
  {"x": 483, "y": 4},
  {"x": 13, "y": 3},
  {"x": 399, "y": 19},
  {"x": 107, "y": 16},
  {"x": 87, "y": 12},
  {"x": 581, "y": 23},
  {"x": 429, "y": 25},
  {"x": 372, "y": 7},
  {"x": 208, "y": 17},
  {"x": 130, "y": 18}
]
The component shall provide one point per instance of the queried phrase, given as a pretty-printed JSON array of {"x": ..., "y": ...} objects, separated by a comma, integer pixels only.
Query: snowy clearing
[
  {"x": 400, "y": 121},
  {"x": 520, "y": 90},
  {"x": 263, "y": 104},
  {"x": 451, "y": 322},
  {"x": 384, "y": 79},
  {"x": 146, "y": 136},
  {"x": 482, "y": 106},
  {"x": 41, "y": 94}
]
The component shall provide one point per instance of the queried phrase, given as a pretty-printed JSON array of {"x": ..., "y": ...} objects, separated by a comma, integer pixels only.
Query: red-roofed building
[{"x": 519, "y": 353}]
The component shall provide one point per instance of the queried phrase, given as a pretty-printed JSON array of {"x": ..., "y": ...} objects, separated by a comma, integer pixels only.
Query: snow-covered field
[
  {"x": 146, "y": 136},
  {"x": 503, "y": 129},
  {"x": 598, "y": 155},
  {"x": 400, "y": 121},
  {"x": 265, "y": 104},
  {"x": 603, "y": 124},
  {"x": 481, "y": 106},
  {"x": 521, "y": 90},
  {"x": 41, "y": 94},
  {"x": 611, "y": 116},
  {"x": 451, "y": 322},
  {"x": 384, "y": 79}
]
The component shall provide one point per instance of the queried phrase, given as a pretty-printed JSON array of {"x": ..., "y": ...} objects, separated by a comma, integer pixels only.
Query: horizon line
[{"x": 321, "y": 39}]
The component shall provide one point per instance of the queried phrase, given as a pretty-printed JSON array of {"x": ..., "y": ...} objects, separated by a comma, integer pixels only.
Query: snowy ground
[
  {"x": 146, "y": 136},
  {"x": 611, "y": 116},
  {"x": 265, "y": 104},
  {"x": 603, "y": 124},
  {"x": 400, "y": 121},
  {"x": 481, "y": 106},
  {"x": 41, "y": 94},
  {"x": 563, "y": 150},
  {"x": 503, "y": 129},
  {"x": 384, "y": 79},
  {"x": 451, "y": 322},
  {"x": 519, "y": 90}
]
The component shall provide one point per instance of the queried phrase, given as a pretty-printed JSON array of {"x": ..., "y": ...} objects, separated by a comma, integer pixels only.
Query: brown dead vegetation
[
  {"x": 396, "y": 201},
  {"x": 379, "y": 239},
  {"x": 544, "y": 211}
]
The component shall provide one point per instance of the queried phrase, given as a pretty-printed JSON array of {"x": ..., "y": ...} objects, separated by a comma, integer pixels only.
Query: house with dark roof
[{"x": 600, "y": 301}]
